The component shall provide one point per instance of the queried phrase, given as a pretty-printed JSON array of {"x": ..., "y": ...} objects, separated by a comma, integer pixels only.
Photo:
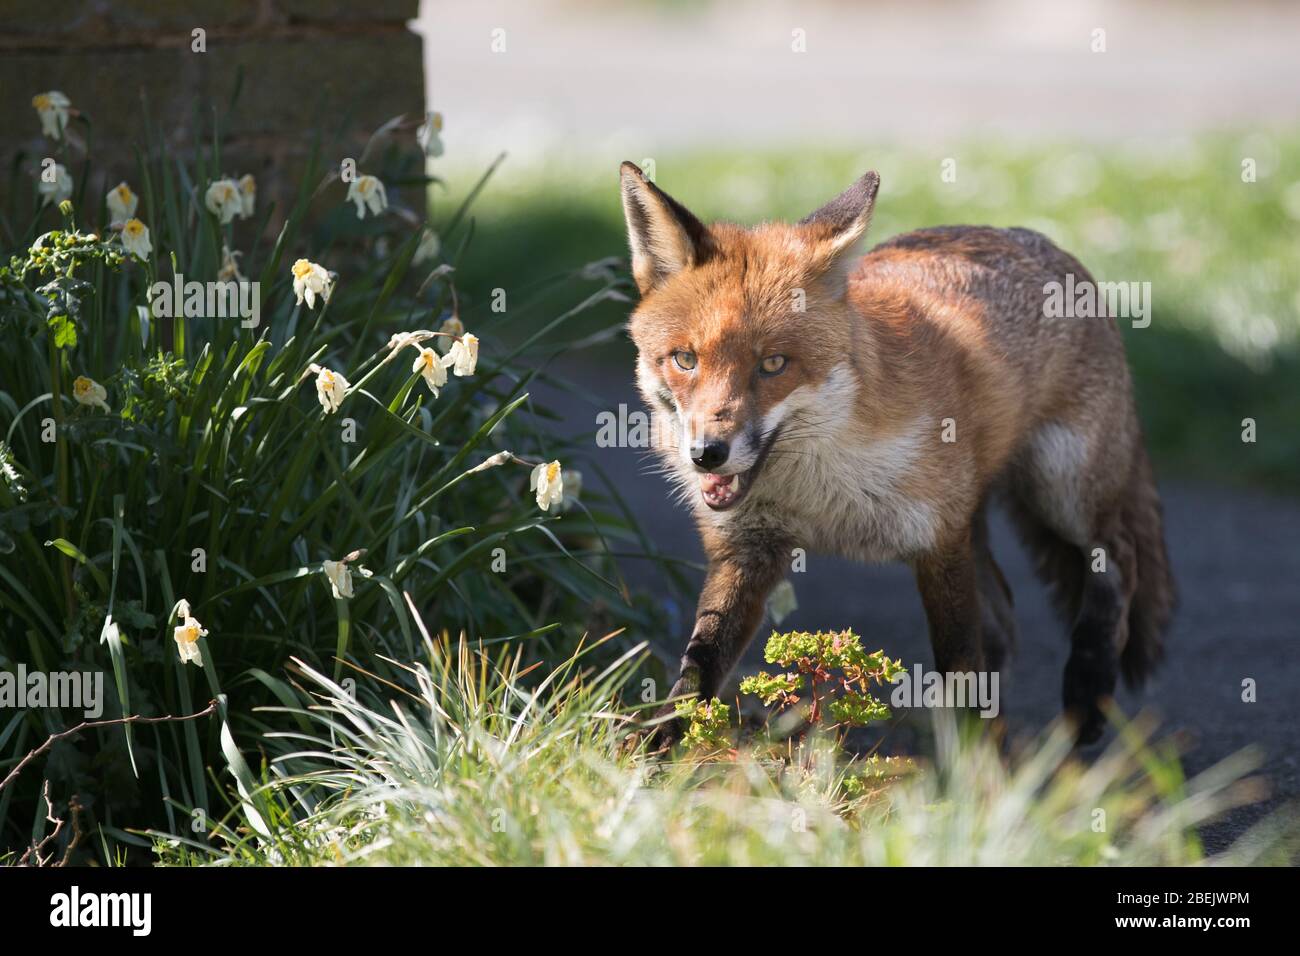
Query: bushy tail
[{"x": 1156, "y": 596}]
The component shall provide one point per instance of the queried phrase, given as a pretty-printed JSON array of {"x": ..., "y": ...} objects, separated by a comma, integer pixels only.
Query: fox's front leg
[
  {"x": 731, "y": 607},
  {"x": 947, "y": 578}
]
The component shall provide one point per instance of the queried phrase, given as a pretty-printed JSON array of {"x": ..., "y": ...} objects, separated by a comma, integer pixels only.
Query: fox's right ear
[
  {"x": 664, "y": 236},
  {"x": 839, "y": 224}
]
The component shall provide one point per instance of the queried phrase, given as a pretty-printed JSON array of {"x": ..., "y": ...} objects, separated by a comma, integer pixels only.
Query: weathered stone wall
[{"x": 337, "y": 68}]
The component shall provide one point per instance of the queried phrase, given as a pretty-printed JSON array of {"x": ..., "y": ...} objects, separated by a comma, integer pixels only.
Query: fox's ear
[
  {"x": 664, "y": 236},
  {"x": 839, "y": 224}
]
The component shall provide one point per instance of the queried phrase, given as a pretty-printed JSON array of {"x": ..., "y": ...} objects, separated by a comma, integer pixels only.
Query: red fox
[{"x": 872, "y": 406}]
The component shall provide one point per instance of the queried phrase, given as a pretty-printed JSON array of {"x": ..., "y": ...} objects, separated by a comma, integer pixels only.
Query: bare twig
[{"x": 88, "y": 724}]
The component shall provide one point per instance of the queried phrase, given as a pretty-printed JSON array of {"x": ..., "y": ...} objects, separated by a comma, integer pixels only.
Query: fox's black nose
[{"x": 709, "y": 454}]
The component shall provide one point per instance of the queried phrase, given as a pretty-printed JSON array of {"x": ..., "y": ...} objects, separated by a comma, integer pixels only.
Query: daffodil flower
[
  {"x": 309, "y": 281},
  {"x": 547, "y": 481},
  {"x": 247, "y": 195},
  {"x": 229, "y": 271},
  {"x": 58, "y": 189},
  {"x": 52, "y": 108},
  {"x": 223, "y": 200},
  {"x": 428, "y": 134},
  {"x": 90, "y": 393},
  {"x": 428, "y": 248},
  {"x": 368, "y": 193},
  {"x": 331, "y": 388},
  {"x": 431, "y": 368},
  {"x": 121, "y": 204},
  {"x": 463, "y": 354},
  {"x": 340, "y": 578},
  {"x": 135, "y": 238},
  {"x": 187, "y": 634}
]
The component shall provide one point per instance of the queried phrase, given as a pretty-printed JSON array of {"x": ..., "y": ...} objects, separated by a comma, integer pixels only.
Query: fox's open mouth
[{"x": 721, "y": 492}]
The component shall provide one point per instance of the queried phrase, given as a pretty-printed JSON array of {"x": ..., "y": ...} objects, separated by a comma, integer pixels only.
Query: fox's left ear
[
  {"x": 664, "y": 236},
  {"x": 838, "y": 225}
]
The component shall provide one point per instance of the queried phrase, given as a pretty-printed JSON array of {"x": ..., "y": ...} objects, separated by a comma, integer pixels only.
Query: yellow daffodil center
[
  {"x": 82, "y": 386},
  {"x": 189, "y": 633},
  {"x": 364, "y": 185},
  {"x": 327, "y": 379},
  {"x": 301, "y": 269},
  {"x": 133, "y": 227},
  {"x": 124, "y": 193},
  {"x": 553, "y": 471},
  {"x": 41, "y": 101},
  {"x": 437, "y": 121}
]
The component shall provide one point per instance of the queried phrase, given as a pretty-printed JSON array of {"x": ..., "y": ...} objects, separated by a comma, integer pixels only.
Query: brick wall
[{"x": 340, "y": 68}]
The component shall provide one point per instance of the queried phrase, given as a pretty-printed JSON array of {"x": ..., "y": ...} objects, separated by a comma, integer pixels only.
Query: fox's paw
[{"x": 1090, "y": 678}]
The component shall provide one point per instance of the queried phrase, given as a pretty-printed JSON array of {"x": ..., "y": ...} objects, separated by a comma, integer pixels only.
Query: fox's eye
[
  {"x": 685, "y": 360},
  {"x": 772, "y": 365}
]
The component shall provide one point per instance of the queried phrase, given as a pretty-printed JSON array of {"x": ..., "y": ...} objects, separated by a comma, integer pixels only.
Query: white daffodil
[
  {"x": 340, "y": 578},
  {"x": 90, "y": 393},
  {"x": 52, "y": 108},
  {"x": 311, "y": 280},
  {"x": 331, "y": 388},
  {"x": 229, "y": 271},
  {"x": 59, "y": 188},
  {"x": 428, "y": 134},
  {"x": 463, "y": 354},
  {"x": 223, "y": 200},
  {"x": 451, "y": 327},
  {"x": 135, "y": 238},
  {"x": 121, "y": 204},
  {"x": 247, "y": 195},
  {"x": 548, "y": 481},
  {"x": 428, "y": 249},
  {"x": 182, "y": 609},
  {"x": 430, "y": 366},
  {"x": 368, "y": 193},
  {"x": 187, "y": 634}
]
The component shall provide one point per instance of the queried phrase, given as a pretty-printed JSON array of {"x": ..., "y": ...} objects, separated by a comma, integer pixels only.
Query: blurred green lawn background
[{"x": 1221, "y": 254}]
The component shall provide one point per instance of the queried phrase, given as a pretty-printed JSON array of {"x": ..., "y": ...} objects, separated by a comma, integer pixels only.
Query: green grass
[
  {"x": 469, "y": 763},
  {"x": 1220, "y": 253}
]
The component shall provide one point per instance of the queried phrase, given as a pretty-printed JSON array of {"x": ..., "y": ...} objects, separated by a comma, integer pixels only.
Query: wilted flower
[
  {"x": 135, "y": 238},
  {"x": 781, "y": 603},
  {"x": 331, "y": 388},
  {"x": 451, "y": 327},
  {"x": 463, "y": 354},
  {"x": 187, "y": 634},
  {"x": 223, "y": 200},
  {"x": 121, "y": 204},
  {"x": 59, "y": 188},
  {"x": 428, "y": 248},
  {"x": 229, "y": 271},
  {"x": 428, "y": 136},
  {"x": 368, "y": 193},
  {"x": 340, "y": 578},
  {"x": 309, "y": 281},
  {"x": 89, "y": 392},
  {"x": 52, "y": 108},
  {"x": 548, "y": 481},
  {"x": 428, "y": 365},
  {"x": 571, "y": 480},
  {"x": 247, "y": 195}
]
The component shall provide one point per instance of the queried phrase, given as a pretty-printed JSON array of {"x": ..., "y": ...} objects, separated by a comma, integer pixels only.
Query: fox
[{"x": 873, "y": 407}]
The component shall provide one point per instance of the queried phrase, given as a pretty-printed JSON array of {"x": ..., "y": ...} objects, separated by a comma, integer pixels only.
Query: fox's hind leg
[{"x": 997, "y": 619}]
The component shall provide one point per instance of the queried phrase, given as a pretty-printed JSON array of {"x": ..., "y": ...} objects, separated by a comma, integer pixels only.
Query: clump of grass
[{"x": 475, "y": 762}]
